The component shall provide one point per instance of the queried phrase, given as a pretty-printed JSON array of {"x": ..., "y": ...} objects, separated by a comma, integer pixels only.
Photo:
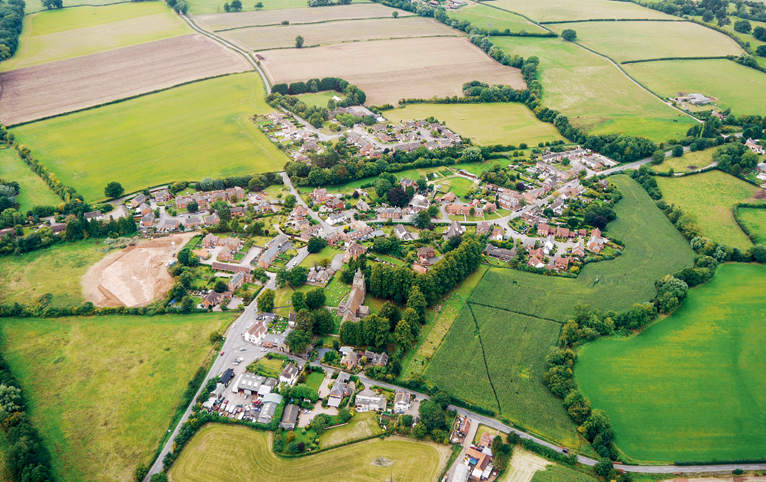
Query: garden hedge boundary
[{"x": 740, "y": 223}]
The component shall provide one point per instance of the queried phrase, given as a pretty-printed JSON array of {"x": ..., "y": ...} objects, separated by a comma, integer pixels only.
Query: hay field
[
  {"x": 594, "y": 94},
  {"x": 239, "y": 453},
  {"x": 103, "y": 389},
  {"x": 690, "y": 161},
  {"x": 389, "y": 70},
  {"x": 190, "y": 132},
  {"x": 200, "y": 7},
  {"x": 360, "y": 426},
  {"x": 488, "y": 18},
  {"x": 34, "y": 192},
  {"x": 33, "y": 6},
  {"x": 709, "y": 198},
  {"x": 552, "y": 10},
  {"x": 677, "y": 370},
  {"x": 734, "y": 86},
  {"x": 74, "y": 32},
  {"x": 220, "y": 21},
  {"x": 754, "y": 220},
  {"x": 651, "y": 40},
  {"x": 283, "y": 36},
  {"x": 524, "y": 465},
  {"x": 502, "y": 123},
  {"x": 54, "y": 88}
]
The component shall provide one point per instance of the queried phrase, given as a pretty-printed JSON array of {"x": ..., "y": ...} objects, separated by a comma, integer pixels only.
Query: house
[
  {"x": 536, "y": 262},
  {"x": 335, "y": 203},
  {"x": 403, "y": 234},
  {"x": 508, "y": 199},
  {"x": 596, "y": 242},
  {"x": 578, "y": 250},
  {"x": 562, "y": 232},
  {"x": 401, "y": 401},
  {"x": 561, "y": 264},
  {"x": 256, "y": 332},
  {"x": 161, "y": 195},
  {"x": 419, "y": 202},
  {"x": 237, "y": 211},
  {"x": 147, "y": 221},
  {"x": 319, "y": 195},
  {"x": 337, "y": 218},
  {"x": 482, "y": 229},
  {"x": 497, "y": 234},
  {"x": 274, "y": 248},
  {"x": 249, "y": 383},
  {"x": 754, "y": 146},
  {"x": 480, "y": 461},
  {"x": 369, "y": 401},
  {"x": 290, "y": 417},
  {"x": 231, "y": 268},
  {"x": 499, "y": 253},
  {"x": 289, "y": 374},
  {"x": 376, "y": 359},
  {"x": 236, "y": 281},
  {"x": 390, "y": 213},
  {"x": 454, "y": 230},
  {"x": 353, "y": 251},
  {"x": 361, "y": 205},
  {"x": 211, "y": 219},
  {"x": 270, "y": 403},
  {"x": 214, "y": 298},
  {"x": 57, "y": 228},
  {"x": 137, "y": 201},
  {"x": 340, "y": 389},
  {"x": 225, "y": 255},
  {"x": 89, "y": 216},
  {"x": 544, "y": 230},
  {"x": 351, "y": 308},
  {"x": 449, "y": 197},
  {"x": 457, "y": 209},
  {"x": 425, "y": 255},
  {"x": 350, "y": 358}
]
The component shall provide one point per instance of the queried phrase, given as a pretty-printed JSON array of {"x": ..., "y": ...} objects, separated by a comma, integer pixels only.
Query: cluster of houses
[
  {"x": 541, "y": 255},
  {"x": 579, "y": 159}
]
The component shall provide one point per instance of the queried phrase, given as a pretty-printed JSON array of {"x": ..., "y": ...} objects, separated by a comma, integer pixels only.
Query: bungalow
[
  {"x": 401, "y": 401},
  {"x": 369, "y": 401},
  {"x": 290, "y": 417},
  {"x": 289, "y": 374}
]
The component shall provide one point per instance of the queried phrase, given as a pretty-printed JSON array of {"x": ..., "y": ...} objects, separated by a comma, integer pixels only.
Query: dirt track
[
  {"x": 57, "y": 87},
  {"x": 134, "y": 276}
]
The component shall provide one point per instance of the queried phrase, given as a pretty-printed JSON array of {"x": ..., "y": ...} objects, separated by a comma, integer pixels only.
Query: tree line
[
  {"x": 354, "y": 95},
  {"x": 11, "y": 15}
]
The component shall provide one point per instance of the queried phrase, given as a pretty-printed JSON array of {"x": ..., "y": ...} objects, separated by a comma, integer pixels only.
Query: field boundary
[
  {"x": 535, "y": 22},
  {"x": 660, "y": 59},
  {"x": 554, "y": 22},
  {"x": 355, "y": 41},
  {"x": 89, "y": 5},
  {"x": 291, "y": 24},
  {"x": 742, "y": 226},
  {"x": 516, "y": 312},
  {"x": 484, "y": 357}
]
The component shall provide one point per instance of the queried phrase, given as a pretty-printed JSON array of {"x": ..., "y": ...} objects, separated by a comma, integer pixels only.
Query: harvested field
[
  {"x": 552, "y": 10},
  {"x": 75, "y": 32},
  {"x": 488, "y": 18},
  {"x": 219, "y": 21},
  {"x": 390, "y": 70},
  {"x": 134, "y": 276},
  {"x": 524, "y": 465},
  {"x": 283, "y": 36},
  {"x": 55, "y": 88}
]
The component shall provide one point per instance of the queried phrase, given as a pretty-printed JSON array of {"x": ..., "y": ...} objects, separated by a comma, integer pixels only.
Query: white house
[
  {"x": 401, "y": 402},
  {"x": 289, "y": 374}
]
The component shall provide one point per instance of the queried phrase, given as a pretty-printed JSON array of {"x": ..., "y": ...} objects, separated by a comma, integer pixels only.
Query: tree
[
  {"x": 432, "y": 415},
  {"x": 113, "y": 190},
  {"x": 761, "y": 51},
  {"x": 315, "y": 298},
  {"x": 759, "y": 253},
  {"x": 760, "y": 33},
  {"x": 259, "y": 5},
  {"x": 220, "y": 286},
  {"x": 51, "y": 4},
  {"x": 298, "y": 42},
  {"x": 316, "y": 244},
  {"x": 604, "y": 468},
  {"x": 298, "y": 340},
  {"x": 658, "y": 156},
  {"x": 397, "y": 196},
  {"x": 323, "y": 321},
  {"x": 423, "y": 220},
  {"x": 420, "y": 430},
  {"x": 569, "y": 35},
  {"x": 266, "y": 301},
  {"x": 403, "y": 335},
  {"x": 290, "y": 201},
  {"x": 417, "y": 301},
  {"x": 299, "y": 301},
  {"x": 161, "y": 477},
  {"x": 192, "y": 207},
  {"x": 678, "y": 151},
  {"x": 10, "y": 401},
  {"x": 395, "y": 14},
  {"x": 742, "y": 26}
]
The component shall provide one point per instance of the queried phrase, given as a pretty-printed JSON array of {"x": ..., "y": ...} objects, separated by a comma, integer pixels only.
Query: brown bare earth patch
[
  {"x": 279, "y": 36},
  {"x": 219, "y": 21},
  {"x": 760, "y": 194},
  {"x": 389, "y": 70},
  {"x": 58, "y": 87},
  {"x": 134, "y": 276}
]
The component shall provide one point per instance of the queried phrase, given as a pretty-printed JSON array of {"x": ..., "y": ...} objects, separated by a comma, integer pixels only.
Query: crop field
[
  {"x": 248, "y": 456},
  {"x": 488, "y": 18},
  {"x": 34, "y": 6},
  {"x": 200, "y": 7},
  {"x": 360, "y": 426},
  {"x": 484, "y": 124},
  {"x": 103, "y": 389},
  {"x": 223, "y": 21},
  {"x": 709, "y": 199},
  {"x": 183, "y": 133},
  {"x": 690, "y": 161},
  {"x": 389, "y": 70},
  {"x": 594, "y": 94},
  {"x": 59, "y": 87},
  {"x": 662, "y": 389},
  {"x": 514, "y": 347},
  {"x": 34, "y": 191},
  {"x": 607, "y": 285},
  {"x": 733, "y": 86},
  {"x": 74, "y": 32},
  {"x": 552, "y": 10},
  {"x": 561, "y": 473},
  {"x": 283, "y": 36},
  {"x": 29, "y": 276},
  {"x": 650, "y": 40},
  {"x": 755, "y": 221}
]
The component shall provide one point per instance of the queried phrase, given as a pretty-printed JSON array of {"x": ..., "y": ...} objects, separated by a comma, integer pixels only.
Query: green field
[
  {"x": 651, "y": 40},
  {"x": 709, "y": 198},
  {"x": 233, "y": 452},
  {"x": 594, "y": 94},
  {"x": 29, "y": 276},
  {"x": 561, "y": 473},
  {"x": 488, "y": 18},
  {"x": 33, "y": 6},
  {"x": 318, "y": 99},
  {"x": 743, "y": 37},
  {"x": 502, "y": 123},
  {"x": 328, "y": 253},
  {"x": 693, "y": 386},
  {"x": 103, "y": 390},
  {"x": 552, "y": 10},
  {"x": 360, "y": 426},
  {"x": 734, "y": 86},
  {"x": 186, "y": 133},
  {"x": 458, "y": 185},
  {"x": 74, "y": 32},
  {"x": 34, "y": 192},
  {"x": 608, "y": 285},
  {"x": 199, "y": 7},
  {"x": 755, "y": 221},
  {"x": 690, "y": 161}
]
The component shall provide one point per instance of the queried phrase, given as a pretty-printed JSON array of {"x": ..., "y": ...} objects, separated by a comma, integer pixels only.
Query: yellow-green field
[
  {"x": 491, "y": 19},
  {"x": 360, "y": 426},
  {"x": 709, "y": 199},
  {"x": 239, "y": 453},
  {"x": 754, "y": 220},
  {"x": 651, "y": 40},
  {"x": 690, "y": 161},
  {"x": 484, "y": 124},
  {"x": 734, "y": 86},
  {"x": 199, "y": 130},
  {"x": 74, "y": 32},
  {"x": 552, "y": 10},
  {"x": 594, "y": 94},
  {"x": 102, "y": 390},
  {"x": 198, "y": 7},
  {"x": 34, "y": 192}
]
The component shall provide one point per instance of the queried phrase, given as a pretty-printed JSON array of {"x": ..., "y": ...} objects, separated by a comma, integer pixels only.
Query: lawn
[
  {"x": 245, "y": 454},
  {"x": 74, "y": 32},
  {"x": 690, "y": 161},
  {"x": 328, "y": 253},
  {"x": 652, "y": 40},
  {"x": 734, "y": 86},
  {"x": 319, "y": 99},
  {"x": 459, "y": 185},
  {"x": 34, "y": 192},
  {"x": 754, "y": 220},
  {"x": 484, "y": 429},
  {"x": 269, "y": 367},
  {"x": 691, "y": 387},
  {"x": 490, "y": 19},
  {"x": 187, "y": 133},
  {"x": 360, "y": 426},
  {"x": 608, "y": 285},
  {"x": 552, "y": 10},
  {"x": 314, "y": 380},
  {"x": 484, "y": 124},
  {"x": 103, "y": 390},
  {"x": 56, "y": 270},
  {"x": 709, "y": 198},
  {"x": 594, "y": 94}
]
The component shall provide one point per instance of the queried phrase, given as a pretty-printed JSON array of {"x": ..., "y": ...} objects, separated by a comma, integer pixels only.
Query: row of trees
[
  {"x": 353, "y": 94},
  {"x": 11, "y": 15}
]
